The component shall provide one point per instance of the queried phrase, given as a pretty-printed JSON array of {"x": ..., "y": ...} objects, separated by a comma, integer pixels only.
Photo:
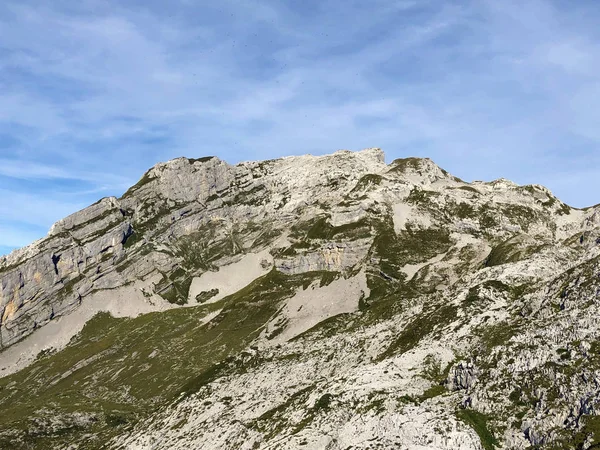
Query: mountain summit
[{"x": 310, "y": 302}]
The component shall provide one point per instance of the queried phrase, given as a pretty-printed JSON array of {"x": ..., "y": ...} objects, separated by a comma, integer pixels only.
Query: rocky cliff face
[
  {"x": 117, "y": 241},
  {"x": 306, "y": 302}
]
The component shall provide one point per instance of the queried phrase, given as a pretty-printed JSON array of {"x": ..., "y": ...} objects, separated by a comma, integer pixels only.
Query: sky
[{"x": 93, "y": 93}]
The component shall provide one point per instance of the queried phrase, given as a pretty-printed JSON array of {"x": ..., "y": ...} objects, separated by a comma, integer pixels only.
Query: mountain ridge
[
  {"x": 400, "y": 289},
  {"x": 249, "y": 162}
]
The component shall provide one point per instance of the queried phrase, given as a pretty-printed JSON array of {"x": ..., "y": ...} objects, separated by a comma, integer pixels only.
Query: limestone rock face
[
  {"x": 320, "y": 302},
  {"x": 462, "y": 376},
  {"x": 89, "y": 250}
]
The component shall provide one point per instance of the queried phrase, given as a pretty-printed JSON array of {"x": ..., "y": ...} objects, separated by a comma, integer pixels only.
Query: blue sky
[{"x": 93, "y": 93}]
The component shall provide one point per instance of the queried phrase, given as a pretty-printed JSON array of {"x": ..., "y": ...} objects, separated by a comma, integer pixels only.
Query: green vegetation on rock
[
  {"x": 119, "y": 370},
  {"x": 146, "y": 178},
  {"x": 479, "y": 423},
  {"x": 401, "y": 165},
  {"x": 420, "y": 327}
]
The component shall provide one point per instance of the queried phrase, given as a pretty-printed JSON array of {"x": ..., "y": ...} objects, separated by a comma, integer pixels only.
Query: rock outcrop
[{"x": 313, "y": 302}]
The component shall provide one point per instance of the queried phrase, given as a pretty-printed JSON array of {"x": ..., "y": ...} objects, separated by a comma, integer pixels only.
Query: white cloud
[
  {"x": 33, "y": 209},
  {"x": 97, "y": 95},
  {"x": 12, "y": 237}
]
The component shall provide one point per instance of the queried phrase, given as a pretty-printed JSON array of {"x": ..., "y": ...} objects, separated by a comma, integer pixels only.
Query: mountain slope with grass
[{"x": 327, "y": 302}]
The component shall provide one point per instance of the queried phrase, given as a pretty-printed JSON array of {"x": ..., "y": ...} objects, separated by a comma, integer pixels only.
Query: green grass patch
[
  {"x": 479, "y": 423},
  {"x": 401, "y": 165},
  {"x": 123, "y": 369},
  {"x": 146, "y": 178},
  {"x": 366, "y": 183},
  {"x": 418, "y": 328},
  {"x": 320, "y": 229},
  {"x": 200, "y": 160}
]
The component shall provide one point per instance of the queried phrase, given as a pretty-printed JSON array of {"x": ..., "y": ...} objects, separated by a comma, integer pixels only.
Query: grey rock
[{"x": 463, "y": 376}]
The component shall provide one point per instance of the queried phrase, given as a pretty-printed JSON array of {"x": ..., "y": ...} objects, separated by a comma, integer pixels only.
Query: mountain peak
[
  {"x": 296, "y": 296},
  {"x": 374, "y": 154}
]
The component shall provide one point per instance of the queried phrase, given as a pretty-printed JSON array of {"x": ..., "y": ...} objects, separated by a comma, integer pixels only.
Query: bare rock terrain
[{"x": 329, "y": 302}]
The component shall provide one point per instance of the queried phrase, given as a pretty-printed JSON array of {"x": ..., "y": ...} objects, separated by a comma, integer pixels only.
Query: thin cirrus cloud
[
  {"x": 94, "y": 93},
  {"x": 16, "y": 236}
]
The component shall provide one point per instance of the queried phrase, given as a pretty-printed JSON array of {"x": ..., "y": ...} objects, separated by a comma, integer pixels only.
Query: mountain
[{"x": 331, "y": 302}]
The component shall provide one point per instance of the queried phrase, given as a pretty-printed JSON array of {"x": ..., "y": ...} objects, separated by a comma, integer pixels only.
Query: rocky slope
[{"x": 326, "y": 302}]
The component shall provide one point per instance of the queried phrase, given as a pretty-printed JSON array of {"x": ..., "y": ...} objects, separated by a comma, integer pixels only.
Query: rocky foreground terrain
[{"x": 331, "y": 302}]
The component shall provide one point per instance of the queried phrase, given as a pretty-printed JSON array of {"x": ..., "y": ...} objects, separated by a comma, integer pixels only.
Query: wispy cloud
[
  {"x": 15, "y": 236},
  {"x": 42, "y": 210},
  {"x": 28, "y": 170},
  {"x": 94, "y": 93}
]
